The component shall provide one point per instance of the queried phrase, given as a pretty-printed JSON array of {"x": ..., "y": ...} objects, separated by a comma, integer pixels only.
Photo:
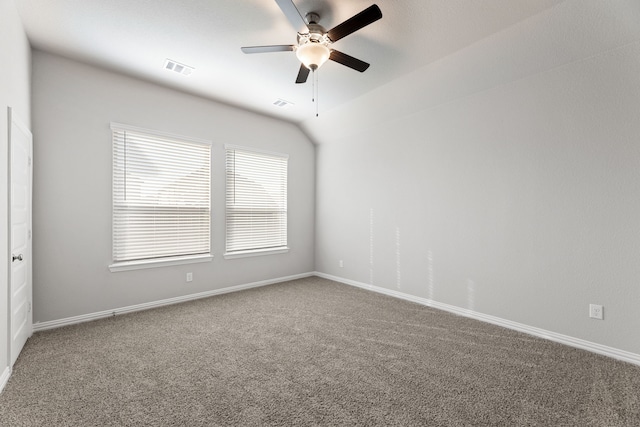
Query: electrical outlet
[
  {"x": 596, "y": 311},
  {"x": 189, "y": 277},
  {"x": 341, "y": 264}
]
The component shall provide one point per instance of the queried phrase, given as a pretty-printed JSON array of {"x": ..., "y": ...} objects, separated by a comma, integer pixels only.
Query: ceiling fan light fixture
[{"x": 313, "y": 54}]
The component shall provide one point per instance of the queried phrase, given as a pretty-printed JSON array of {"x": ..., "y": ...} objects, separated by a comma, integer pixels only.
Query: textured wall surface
[
  {"x": 73, "y": 106},
  {"x": 503, "y": 179}
]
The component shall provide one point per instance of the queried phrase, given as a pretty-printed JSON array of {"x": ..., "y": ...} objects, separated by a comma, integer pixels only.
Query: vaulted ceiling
[{"x": 137, "y": 37}]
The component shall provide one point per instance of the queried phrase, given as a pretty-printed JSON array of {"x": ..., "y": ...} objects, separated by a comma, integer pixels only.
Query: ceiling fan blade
[
  {"x": 353, "y": 24},
  {"x": 349, "y": 61},
  {"x": 293, "y": 15},
  {"x": 302, "y": 74},
  {"x": 264, "y": 49}
]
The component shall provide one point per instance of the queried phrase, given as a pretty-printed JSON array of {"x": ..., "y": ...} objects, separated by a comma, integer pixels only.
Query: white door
[{"x": 20, "y": 142}]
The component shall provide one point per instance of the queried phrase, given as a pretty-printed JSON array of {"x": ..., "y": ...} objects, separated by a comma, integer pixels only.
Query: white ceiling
[{"x": 137, "y": 36}]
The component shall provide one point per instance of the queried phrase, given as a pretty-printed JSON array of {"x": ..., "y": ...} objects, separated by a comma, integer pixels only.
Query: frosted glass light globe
[{"x": 313, "y": 55}]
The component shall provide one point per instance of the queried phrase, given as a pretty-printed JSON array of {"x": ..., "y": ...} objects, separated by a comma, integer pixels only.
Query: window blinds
[
  {"x": 161, "y": 195},
  {"x": 256, "y": 200}
]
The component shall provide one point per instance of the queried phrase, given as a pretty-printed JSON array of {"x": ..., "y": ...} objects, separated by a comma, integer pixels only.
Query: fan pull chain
[{"x": 315, "y": 85}]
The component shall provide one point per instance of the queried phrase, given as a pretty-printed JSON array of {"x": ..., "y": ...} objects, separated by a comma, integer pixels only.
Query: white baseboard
[
  {"x": 41, "y": 326},
  {"x": 4, "y": 379},
  {"x": 541, "y": 333}
]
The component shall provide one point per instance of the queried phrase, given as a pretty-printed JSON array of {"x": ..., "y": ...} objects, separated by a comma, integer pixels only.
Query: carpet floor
[{"x": 310, "y": 352}]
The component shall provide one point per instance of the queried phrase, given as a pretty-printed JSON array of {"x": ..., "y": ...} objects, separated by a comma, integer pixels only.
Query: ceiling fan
[{"x": 314, "y": 42}]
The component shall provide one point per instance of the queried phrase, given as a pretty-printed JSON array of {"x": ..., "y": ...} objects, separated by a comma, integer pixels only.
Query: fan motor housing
[{"x": 317, "y": 33}]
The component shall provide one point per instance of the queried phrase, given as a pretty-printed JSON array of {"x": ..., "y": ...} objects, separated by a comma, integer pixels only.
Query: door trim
[{"x": 13, "y": 119}]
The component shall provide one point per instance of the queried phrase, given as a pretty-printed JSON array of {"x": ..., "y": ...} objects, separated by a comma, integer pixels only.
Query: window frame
[
  {"x": 256, "y": 251},
  {"x": 125, "y": 265}
]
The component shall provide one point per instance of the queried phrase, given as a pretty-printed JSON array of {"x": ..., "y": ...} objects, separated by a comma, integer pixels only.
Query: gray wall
[
  {"x": 504, "y": 179},
  {"x": 14, "y": 93},
  {"x": 73, "y": 105}
]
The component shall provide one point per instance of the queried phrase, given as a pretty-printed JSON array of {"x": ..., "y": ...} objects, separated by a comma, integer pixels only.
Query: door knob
[{"x": 17, "y": 257}]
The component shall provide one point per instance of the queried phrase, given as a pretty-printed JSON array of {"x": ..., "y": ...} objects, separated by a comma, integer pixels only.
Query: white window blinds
[
  {"x": 256, "y": 200},
  {"x": 161, "y": 195}
]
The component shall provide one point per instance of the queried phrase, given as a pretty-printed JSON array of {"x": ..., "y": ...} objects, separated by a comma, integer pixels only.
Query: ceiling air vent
[
  {"x": 281, "y": 103},
  {"x": 172, "y": 65}
]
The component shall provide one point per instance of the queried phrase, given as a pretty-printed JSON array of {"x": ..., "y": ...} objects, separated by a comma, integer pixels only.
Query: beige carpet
[{"x": 310, "y": 352}]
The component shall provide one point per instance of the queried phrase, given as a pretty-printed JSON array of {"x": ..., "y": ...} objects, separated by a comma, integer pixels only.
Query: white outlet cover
[{"x": 596, "y": 311}]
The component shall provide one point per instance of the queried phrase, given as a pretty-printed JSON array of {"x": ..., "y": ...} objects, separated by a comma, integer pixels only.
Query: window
[
  {"x": 161, "y": 198},
  {"x": 256, "y": 202}
]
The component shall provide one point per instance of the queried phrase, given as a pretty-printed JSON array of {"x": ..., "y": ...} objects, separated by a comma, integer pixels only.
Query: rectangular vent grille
[
  {"x": 179, "y": 68},
  {"x": 281, "y": 103}
]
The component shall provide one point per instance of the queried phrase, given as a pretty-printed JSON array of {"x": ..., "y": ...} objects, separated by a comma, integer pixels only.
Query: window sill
[
  {"x": 257, "y": 252},
  {"x": 154, "y": 263}
]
